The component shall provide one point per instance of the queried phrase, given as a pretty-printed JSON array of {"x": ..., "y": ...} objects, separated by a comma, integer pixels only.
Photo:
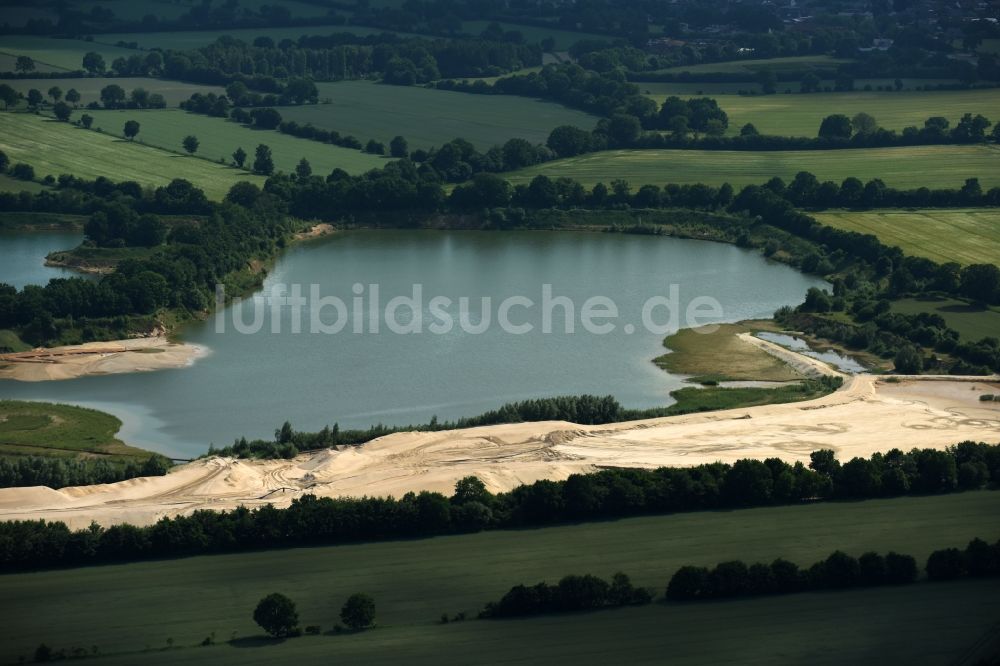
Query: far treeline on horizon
[{"x": 808, "y": 471}]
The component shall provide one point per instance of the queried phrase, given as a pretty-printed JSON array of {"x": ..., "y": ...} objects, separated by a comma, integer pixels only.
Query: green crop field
[
  {"x": 11, "y": 184},
  {"x": 219, "y": 138},
  {"x": 55, "y": 148},
  {"x": 8, "y": 62},
  {"x": 661, "y": 90},
  {"x": 173, "y": 92},
  {"x": 966, "y": 236},
  {"x": 972, "y": 322},
  {"x": 432, "y": 117},
  {"x": 58, "y": 54},
  {"x": 801, "y": 115},
  {"x": 908, "y": 167},
  {"x": 122, "y": 608},
  {"x": 41, "y": 428}
]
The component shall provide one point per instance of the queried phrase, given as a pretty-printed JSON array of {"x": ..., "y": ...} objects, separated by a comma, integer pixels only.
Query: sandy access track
[
  {"x": 866, "y": 415},
  {"x": 98, "y": 358}
]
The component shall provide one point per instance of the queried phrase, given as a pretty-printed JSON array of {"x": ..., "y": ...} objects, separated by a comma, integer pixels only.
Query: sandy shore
[
  {"x": 98, "y": 358},
  {"x": 866, "y": 415}
]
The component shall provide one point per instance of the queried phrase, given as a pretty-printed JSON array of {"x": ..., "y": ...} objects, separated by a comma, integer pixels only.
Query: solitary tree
[
  {"x": 864, "y": 123},
  {"x": 399, "y": 148},
  {"x": 276, "y": 615},
  {"x": 263, "y": 162},
  {"x": 63, "y": 111},
  {"x": 303, "y": 169},
  {"x": 131, "y": 129},
  {"x": 9, "y": 96},
  {"x": 56, "y": 93},
  {"x": 358, "y": 611},
  {"x": 34, "y": 98},
  {"x": 112, "y": 96},
  {"x": 86, "y": 120},
  {"x": 836, "y": 126},
  {"x": 94, "y": 63},
  {"x": 239, "y": 157},
  {"x": 72, "y": 96},
  {"x": 191, "y": 144},
  {"x": 24, "y": 64}
]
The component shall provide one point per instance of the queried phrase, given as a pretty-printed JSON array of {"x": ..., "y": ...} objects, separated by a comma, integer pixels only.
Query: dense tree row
[
  {"x": 605, "y": 494},
  {"x": 572, "y": 593},
  {"x": 62, "y": 472},
  {"x": 733, "y": 579}
]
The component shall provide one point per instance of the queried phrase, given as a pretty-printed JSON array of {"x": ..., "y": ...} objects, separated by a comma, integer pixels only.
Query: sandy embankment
[
  {"x": 867, "y": 415},
  {"x": 98, "y": 358}
]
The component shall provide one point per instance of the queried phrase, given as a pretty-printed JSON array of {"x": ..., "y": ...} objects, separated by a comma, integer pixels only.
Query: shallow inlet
[{"x": 249, "y": 384}]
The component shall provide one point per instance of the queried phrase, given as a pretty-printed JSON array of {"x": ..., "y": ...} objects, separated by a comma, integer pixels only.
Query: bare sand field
[
  {"x": 98, "y": 358},
  {"x": 866, "y": 415}
]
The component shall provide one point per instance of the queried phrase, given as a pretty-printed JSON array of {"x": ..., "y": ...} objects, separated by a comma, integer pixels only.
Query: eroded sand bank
[
  {"x": 866, "y": 415},
  {"x": 98, "y": 358}
]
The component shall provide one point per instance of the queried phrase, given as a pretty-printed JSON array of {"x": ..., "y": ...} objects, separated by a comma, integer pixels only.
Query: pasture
[
  {"x": 973, "y": 322},
  {"x": 965, "y": 236},
  {"x": 218, "y": 139},
  {"x": 659, "y": 91},
  {"x": 427, "y": 117},
  {"x": 907, "y": 167},
  {"x": 174, "y": 92},
  {"x": 137, "y": 607},
  {"x": 168, "y": 10},
  {"x": 58, "y": 54},
  {"x": 55, "y": 148},
  {"x": 801, "y": 114},
  {"x": 753, "y": 65}
]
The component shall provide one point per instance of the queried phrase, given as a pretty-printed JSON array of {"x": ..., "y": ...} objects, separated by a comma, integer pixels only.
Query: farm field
[
  {"x": 11, "y": 184},
  {"x": 432, "y": 117},
  {"x": 965, "y": 236},
  {"x": 58, "y": 54},
  {"x": 880, "y": 626},
  {"x": 8, "y": 63},
  {"x": 972, "y": 322},
  {"x": 138, "y": 606},
  {"x": 563, "y": 38},
  {"x": 661, "y": 90},
  {"x": 219, "y": 138},
  {"x": 39, "y": 428},
  {"x": 908, "y": 167},
  {"x": 54, "y": 148},
  {"x": 174, "y": 92},
  {"x": 801, "y": 115}
]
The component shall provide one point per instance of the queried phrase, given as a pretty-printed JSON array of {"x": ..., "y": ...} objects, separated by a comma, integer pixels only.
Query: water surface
[
  {"x": 250, "y": 384},
  {"x": 22, "y": 255},
  {"x": 837, "y": 360}
]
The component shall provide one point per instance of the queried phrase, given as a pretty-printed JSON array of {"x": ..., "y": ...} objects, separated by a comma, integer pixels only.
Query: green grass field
[
  {"x": 46, "y": 429},
  {"x": 563, "y": 38},
  {"x": 55, "y": 148},
  {"x": 11, "y": 184},
  {"x": 793, "y": 63},
  {"x": 972, "y": 322},
  {"x": 170, "y": 9},
  {"x": 173, "y": 92},
  {"x": 129, "y": 607},
  {"x": 801, "y": 115},
  {"x": 908, "y": 167},
  {"x": 661, "y": 90},
  {"x": 58, "y": 54},
  {"x": 966, "y": 236},
  {"x": 432, "y": 117},
  {"x": 219, "y": 138}
]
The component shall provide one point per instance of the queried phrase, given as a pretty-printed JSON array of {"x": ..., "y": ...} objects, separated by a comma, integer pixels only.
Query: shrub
[
  {"x": 945, "y": 564},
  {"x": 358, "y": 611}
]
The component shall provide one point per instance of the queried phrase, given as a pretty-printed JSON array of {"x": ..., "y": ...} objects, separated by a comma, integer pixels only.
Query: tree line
[
  {"x": 54, "y": 472},
  {"x": 610, "y": 493}
]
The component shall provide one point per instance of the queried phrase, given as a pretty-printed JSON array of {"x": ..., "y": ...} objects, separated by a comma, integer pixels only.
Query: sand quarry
[{"x": 868, "y": 414}]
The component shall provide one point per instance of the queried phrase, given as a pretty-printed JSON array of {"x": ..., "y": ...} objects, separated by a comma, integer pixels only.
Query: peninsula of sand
[
  {"x": 98, "y": 358},
  {"x": 866, "y": 415}
]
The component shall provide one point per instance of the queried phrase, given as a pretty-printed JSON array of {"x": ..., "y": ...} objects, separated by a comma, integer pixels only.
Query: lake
[
  {"x": 22, "y": 255},
  {"x": 249, "y": 383}
]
